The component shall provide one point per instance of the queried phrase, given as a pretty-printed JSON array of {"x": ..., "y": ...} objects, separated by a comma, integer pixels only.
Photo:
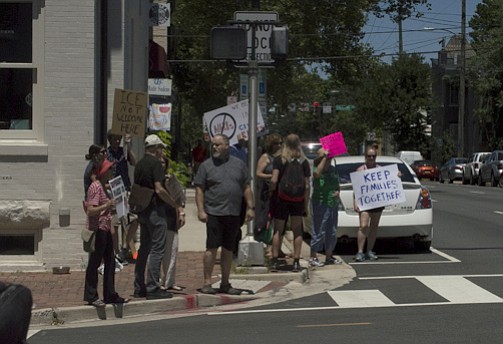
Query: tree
[
  {"x": 397, "y": 99},
  {"x": 486, "y": 68}
]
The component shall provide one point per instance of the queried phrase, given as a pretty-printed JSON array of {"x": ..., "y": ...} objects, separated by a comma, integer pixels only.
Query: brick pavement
[{"x": 65, "y": 290}]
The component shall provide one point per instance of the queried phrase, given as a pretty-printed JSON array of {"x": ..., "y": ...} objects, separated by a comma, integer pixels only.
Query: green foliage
[
  {"x": 397, "y": 9},
  {"x": 179, "y": 169},
  {"x": 397, "y": 98},
  {"x": 486, "y": 68},
  {"x": 444, "y": 148}
]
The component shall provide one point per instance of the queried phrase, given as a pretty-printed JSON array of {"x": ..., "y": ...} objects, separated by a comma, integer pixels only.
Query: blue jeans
[
  {"x": 153, "y": 231},
  {"x": 324, "y": 228}
]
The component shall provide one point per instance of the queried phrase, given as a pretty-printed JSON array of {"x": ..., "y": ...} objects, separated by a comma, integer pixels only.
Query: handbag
[
  {"x": 88, "y": 239},
  {"x": 175, "y": 191},
  {"x": 139, "y": 198}
]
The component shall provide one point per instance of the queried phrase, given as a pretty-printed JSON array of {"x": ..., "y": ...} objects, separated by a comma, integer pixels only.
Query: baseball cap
[
  {"x": 154, "y": 140},
  {"x": 104, "y": 167}
]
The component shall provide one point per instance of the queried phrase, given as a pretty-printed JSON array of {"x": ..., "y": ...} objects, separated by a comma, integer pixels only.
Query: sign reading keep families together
[{"x": 377, "y": 187}]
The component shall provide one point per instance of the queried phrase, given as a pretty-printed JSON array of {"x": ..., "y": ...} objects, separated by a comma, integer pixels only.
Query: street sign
[
  {"x": 263, "y": 33},
  {"x": 327, "y": 108}
]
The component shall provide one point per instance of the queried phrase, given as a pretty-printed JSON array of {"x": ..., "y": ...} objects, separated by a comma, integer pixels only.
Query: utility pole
[
  {"x": 462, "y": 72},
  {"x": 400, "y": 29}
]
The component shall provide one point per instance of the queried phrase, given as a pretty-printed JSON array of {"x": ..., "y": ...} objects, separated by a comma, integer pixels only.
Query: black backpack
[{"x": 292, "y": 185}]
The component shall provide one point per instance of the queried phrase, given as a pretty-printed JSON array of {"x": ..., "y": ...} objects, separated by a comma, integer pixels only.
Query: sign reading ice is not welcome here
[
  {"x": 377, "y": 187},
  {"x": 129, "y": 113}
]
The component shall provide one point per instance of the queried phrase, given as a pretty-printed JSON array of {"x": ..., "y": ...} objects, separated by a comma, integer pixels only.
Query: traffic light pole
[{"x": 251, "y": 252}]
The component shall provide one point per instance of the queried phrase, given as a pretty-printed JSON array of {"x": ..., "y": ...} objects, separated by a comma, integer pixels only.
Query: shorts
[
  {"x": 283, "y": 209},
  {"x": 222, "y": 231},
  {"x": 375, "y": 210}
]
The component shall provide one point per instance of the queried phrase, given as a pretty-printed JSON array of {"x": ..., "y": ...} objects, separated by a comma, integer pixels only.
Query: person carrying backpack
[{"x": 290, "y": 177}]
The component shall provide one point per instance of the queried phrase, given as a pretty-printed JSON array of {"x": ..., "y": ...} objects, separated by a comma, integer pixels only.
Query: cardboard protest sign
[
  {"x": 377, "y": 187},
  {"x": 129, "y": 113},
  {"x": 231, "y": 120},
  {"x": 334, "y": 144},
  {"x": 119, "y": 194}
]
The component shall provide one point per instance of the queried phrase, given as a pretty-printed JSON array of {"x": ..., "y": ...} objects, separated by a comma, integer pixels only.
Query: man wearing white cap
[{"x": 149, "y": 173}]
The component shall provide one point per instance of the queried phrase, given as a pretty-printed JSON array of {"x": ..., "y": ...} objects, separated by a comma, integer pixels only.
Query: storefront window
[
  {"x": 16, "y": 32},
  {"x": 21, "y": 53}
]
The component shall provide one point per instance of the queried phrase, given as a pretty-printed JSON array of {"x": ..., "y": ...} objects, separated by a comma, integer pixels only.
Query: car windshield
[
  {"x": 345, "y": 169},
  {"x": 311, "y": 150},
  {"x": 460, "y": 161},
  {"x": 420, "y": 163}
]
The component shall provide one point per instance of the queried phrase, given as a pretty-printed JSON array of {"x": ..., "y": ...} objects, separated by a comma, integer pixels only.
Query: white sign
[
  {"x": 262, "y": 42},
  {"x": 160, "y": 87},
  {"x": 159, "y": 117},
  {"x": 119, "y": 195},
  {"x": 377, "y": 187},
  {"x": 231, "y": 120},
  {"x": 160, "y": 14}
]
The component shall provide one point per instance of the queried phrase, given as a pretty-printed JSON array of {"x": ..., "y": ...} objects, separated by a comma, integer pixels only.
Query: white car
[{"x": 412, "y": 219}]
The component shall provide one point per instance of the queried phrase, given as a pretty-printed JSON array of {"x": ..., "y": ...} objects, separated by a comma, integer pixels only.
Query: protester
[
  {"x": 175, "y": 221},
  {"x": 221, "y": 183},
  {"x": 265, "y": 210},
  {"x": 199, "y": 153},
  {"x": 324, "y": 200},
  {"x": 369, "y": 219},
  {"x": 153, "y": 224},
  {"x": 99, "y": 218},
  {"x": 290, "y": 175},
  {"x": 121, "y": 156},
  {"x": 96, "y": 155}
]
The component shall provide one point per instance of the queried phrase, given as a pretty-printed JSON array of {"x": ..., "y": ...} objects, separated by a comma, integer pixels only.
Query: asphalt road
[{"x": 453, "y": 294}]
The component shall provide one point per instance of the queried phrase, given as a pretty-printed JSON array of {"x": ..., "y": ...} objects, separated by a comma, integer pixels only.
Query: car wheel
[
  {"x": 472, "y": 180},
  {"x": 422, "y": 246},
  {"x": 441, "y": 179},
  {"x": 450, "y": 179},
  {"x": 494, "y": 182},
  {"x": 463, "y": 180},
  {"x": 479, "y": 181},
  {"x": 500, "y": 182}
]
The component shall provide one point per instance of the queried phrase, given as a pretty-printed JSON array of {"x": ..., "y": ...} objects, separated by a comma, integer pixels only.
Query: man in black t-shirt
[{"x": 149, "y": 173}]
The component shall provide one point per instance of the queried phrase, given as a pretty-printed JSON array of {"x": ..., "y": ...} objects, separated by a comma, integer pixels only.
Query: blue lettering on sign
[{"x": 244, "y": 89}]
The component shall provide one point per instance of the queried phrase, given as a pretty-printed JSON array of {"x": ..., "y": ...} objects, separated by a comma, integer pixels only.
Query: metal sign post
[{"x": 251, "y": 252}]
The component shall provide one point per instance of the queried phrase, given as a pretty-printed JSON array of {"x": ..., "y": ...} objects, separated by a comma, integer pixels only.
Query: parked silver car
[
  {"x": 491, "y": 169},
  {"x": 471, "y": 169},
  {"x": 452, "y": 169}
]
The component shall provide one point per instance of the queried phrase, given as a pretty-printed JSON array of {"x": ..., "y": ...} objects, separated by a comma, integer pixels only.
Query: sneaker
[
  {"x": 332, "y": 261},
  {"x": 296, "y": 266},
  {"x": 360, "y": 257},
  {"x": 371, "y": 256},
  {"x": 122, "y": 256},
  {"x": 118, "y": 266},
  {"x": 159, "y": 294},
  {"x": 315, "y": 262},
  {"x": 228, "y": 289},
  {"x": 274, "y": 266},
  {"x": 208, "y": 289},
  {"x": 101, "y": 269}
]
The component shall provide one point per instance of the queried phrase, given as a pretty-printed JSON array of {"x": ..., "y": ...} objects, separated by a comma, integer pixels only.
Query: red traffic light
[{"x": 316, "y": 104}]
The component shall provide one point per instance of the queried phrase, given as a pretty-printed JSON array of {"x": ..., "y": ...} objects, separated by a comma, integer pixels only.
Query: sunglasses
[{"x": 370, "y": 156}]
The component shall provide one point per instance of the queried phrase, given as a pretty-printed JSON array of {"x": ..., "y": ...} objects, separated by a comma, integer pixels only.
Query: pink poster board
[{"x": 334, "y": 144}]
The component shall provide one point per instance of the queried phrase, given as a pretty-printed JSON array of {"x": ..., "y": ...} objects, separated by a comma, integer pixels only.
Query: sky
[{"x": 382, "y": 34}]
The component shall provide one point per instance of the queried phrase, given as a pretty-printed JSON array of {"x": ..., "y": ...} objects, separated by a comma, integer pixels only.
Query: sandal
[
  {"x": 96, "y": 303},
  {"x": 208, "y": 289},
  {"x": 176, "y": 288},
  {"x": 228, "y": 289},
  {"x": 117, "y": 299}
]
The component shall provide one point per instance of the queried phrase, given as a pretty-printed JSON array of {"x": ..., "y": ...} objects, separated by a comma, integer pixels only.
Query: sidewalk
[{"x": 58, "y": 298}]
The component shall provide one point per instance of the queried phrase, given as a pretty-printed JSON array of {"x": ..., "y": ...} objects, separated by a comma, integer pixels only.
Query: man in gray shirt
[{"x": 221, "y": 183}]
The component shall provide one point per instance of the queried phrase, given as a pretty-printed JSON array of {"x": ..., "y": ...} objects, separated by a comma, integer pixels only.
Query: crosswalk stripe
[
  {"x": 360, "y": 298},
  {"x": 458, "y": 289}
]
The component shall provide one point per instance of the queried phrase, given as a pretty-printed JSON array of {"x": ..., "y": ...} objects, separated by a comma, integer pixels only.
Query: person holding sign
[{"x": 325, "y": 201}]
